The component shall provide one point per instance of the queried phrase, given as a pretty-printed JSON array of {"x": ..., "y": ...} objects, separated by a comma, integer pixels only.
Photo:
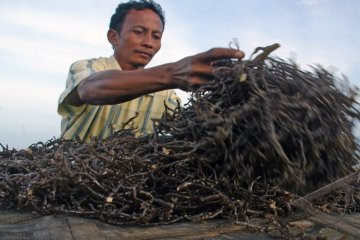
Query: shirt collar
[{"x": 113, "y": 63}]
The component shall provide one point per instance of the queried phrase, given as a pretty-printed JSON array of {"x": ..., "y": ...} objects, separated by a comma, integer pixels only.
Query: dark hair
[{"x": 118, "y": 18}]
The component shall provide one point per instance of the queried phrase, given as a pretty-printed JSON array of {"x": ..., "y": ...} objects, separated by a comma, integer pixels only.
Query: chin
[{"x": 141, "y": 64}]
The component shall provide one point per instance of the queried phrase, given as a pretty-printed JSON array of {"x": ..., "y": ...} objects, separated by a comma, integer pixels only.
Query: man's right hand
[
  {"x": 193, "y": 71},
  {"x": 114, "y": 86}
]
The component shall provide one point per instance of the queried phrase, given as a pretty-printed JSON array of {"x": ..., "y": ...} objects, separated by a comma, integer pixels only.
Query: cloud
[
  {"x": 48, "y": 41},
  {"x": 37, "y": 54},
  {"x": 312, "y": 2},
  {"x": 30, "y": 112},
  {"x": 28, "y": 97},
  {"x": 60, "y": 25}
]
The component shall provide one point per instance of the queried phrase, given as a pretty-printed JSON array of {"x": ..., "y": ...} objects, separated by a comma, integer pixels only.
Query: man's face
[{"x": 139, "y": 39}]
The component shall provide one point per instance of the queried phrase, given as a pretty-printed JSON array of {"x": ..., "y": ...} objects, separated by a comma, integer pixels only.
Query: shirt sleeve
[{"x": 78, "y": 72}]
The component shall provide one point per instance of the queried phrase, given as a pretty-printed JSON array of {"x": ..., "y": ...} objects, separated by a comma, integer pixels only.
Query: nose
[{"x": 148, "y": 41}]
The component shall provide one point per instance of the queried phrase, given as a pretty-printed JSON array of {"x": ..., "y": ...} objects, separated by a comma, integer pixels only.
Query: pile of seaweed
[{"x": 251, "y": 143}]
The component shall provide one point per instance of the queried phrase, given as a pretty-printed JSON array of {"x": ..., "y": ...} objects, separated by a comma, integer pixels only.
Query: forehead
[{"x": 146, "y": 18}]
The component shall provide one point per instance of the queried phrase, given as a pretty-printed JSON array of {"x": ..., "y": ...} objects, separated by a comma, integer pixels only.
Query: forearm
[{"x": 113, "y": 86}]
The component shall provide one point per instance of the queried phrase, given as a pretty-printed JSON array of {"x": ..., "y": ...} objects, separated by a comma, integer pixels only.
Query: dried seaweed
[{"x": 249, "y": 144}]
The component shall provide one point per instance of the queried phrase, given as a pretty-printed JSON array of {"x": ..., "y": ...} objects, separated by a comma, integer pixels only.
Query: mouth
[{"x": 144, "y": 54}]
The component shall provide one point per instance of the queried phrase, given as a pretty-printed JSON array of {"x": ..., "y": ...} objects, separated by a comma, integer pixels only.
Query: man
[{"x": 102, "y": 94}]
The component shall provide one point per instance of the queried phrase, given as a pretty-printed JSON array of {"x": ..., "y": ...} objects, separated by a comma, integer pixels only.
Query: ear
[{"x": 112, "y": 36}]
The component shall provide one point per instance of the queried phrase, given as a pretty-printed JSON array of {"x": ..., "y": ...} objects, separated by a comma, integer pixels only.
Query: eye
[
  {"x": 157, "y": 36},
  {"x": 138, "y": 31}
]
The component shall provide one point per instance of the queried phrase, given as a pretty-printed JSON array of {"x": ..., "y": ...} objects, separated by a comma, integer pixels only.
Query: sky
[{"x": 39, "y": 40}]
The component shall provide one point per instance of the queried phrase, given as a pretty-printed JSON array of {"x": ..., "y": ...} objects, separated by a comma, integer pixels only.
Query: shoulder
[{"x": 100, "y": 63}]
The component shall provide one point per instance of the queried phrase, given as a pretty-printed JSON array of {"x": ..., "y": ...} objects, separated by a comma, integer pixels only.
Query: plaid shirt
[{"x": 87, "y": 121}]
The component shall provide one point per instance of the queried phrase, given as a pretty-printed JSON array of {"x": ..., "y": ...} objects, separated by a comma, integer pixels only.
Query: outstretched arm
[{"x": 114, "y": 86}]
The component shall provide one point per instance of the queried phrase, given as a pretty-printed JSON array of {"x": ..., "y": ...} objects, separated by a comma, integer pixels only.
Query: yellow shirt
[{"x": 101, "y": 121}]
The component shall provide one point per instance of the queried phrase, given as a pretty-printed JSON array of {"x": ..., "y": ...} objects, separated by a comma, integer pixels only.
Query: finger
[
  {"x": 196, "y": 82},
  {"x": 202, "y": 70},
  {"x": 221, "y": 53}
]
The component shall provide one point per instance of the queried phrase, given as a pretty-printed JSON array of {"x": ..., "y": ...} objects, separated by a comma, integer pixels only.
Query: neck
[{"x": 126, "y": 66}]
